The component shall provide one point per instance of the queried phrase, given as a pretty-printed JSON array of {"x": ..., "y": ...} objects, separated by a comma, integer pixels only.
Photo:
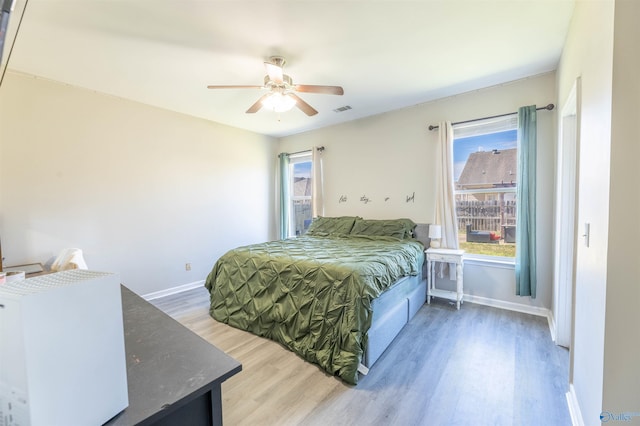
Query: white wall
[
  {"x": 141, "y": 190},
  {"x": 384, "y": 158},
  {"x": 393, "y": 155},
  {"x": 588, "y": 53},
  {"x": 621, "y": 385}
]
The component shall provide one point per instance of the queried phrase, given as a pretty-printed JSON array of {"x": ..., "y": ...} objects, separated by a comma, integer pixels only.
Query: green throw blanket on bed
[{"x": 312, "y": 294}]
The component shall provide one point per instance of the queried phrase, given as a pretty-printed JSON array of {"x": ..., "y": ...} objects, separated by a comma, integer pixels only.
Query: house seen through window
[
  {"x": 485, "y": 175},
  {"x": 300, "y": 193}
]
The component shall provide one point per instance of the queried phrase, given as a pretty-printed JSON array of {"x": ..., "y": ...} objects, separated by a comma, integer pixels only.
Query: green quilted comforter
[{"x": 313, "y": 294}]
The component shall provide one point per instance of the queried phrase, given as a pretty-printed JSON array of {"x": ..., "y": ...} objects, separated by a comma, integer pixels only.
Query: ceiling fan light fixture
[
  {"x": 281, "y": 92},
  {"x": 278, "y": 102}
]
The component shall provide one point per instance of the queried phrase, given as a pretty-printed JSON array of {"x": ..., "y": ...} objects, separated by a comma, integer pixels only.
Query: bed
[{"x": 336, "y": 296}]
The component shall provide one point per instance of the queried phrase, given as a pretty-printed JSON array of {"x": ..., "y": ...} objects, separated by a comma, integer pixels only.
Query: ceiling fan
[{"x": 282, "y": 92}]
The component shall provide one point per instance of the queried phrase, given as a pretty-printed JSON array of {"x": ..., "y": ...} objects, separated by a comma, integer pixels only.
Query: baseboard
[
  {"x": 552, "y": 325},
  {"x": 173, "y": 290},
  {"x": 510, "y": 306},
  {"x": 574, "y": 407}
]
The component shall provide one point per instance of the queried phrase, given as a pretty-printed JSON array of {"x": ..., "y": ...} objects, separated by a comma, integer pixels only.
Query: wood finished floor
[{"x": 476, "y": 366}]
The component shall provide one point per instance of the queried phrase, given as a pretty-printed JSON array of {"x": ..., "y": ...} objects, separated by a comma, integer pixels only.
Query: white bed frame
[{"x": 395, "y": 308}]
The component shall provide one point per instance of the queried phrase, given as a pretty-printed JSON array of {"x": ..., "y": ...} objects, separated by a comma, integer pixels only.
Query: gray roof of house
[
  {"x": 490, "y": 168},
  {"x": 301, "y": 186}
]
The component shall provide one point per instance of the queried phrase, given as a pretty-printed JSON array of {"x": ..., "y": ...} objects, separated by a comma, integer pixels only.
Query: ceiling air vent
[{"x": 342, "y": 109}]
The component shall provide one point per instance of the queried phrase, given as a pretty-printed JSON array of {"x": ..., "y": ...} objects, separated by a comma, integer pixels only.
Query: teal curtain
[
  {"x": 284, "y": 195},
  {"x": 526, "y": 202}
]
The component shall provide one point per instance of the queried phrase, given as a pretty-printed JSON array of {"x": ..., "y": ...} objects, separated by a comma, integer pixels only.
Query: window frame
[
  {"x": 481, "y": 128},
  {"x": 302, "y": 157}
]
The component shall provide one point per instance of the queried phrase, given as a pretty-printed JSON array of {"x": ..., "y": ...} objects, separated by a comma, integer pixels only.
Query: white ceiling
[{"x": 385, "y": 54}]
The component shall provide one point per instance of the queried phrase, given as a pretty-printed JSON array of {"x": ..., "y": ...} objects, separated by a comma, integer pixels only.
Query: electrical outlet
[{"x": 187, "y": 266}]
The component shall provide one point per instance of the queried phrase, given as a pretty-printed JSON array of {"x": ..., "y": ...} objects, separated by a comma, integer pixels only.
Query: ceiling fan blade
[
  {"x": 256, "y": 107},
  {"x": 234, "y": 87},
  {"x": 275, "y": 72},
  {"x": 305, "y": 107},
  {"x": 326, "y": 90}
]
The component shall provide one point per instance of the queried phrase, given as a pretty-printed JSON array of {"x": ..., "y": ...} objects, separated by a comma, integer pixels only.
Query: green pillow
[
  {"x": 397, "y": 228},
  {"x": 409, "y": 226},
  {"x": 331, "y": 225}
]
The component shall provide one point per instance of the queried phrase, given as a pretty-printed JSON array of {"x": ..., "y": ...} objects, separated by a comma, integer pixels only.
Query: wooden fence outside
[
  {"x": 302, "y": 216},
  {"x": 485, "y": 215}
]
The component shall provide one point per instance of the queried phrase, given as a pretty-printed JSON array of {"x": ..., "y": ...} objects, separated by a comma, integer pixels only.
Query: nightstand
[{"x": 447, "y": 256}]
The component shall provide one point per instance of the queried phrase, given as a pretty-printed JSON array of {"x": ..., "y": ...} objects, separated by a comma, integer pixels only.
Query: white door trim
[{"x": 565, "y": 221}]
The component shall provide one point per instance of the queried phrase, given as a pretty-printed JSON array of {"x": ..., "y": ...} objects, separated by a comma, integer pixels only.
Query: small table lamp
[{"x": 435, "y": 233}]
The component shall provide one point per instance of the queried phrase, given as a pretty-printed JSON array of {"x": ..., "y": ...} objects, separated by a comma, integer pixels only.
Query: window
[
  {"x": 485, "y": 175},
  {"x": 300, "y": 193}
]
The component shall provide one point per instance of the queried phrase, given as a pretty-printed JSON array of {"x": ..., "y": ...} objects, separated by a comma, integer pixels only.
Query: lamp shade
[
  {"x": 435, "y": 231},
  {"x": 278, "y": 102}
]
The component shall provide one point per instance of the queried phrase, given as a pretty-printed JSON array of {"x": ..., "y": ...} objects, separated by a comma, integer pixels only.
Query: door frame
[{"x": 566, "y": 222}]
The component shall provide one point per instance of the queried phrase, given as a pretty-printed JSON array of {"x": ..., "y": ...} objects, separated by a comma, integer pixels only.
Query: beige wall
[
  {"x": 393, "y": 155},
  {"x": 140, "y": 190},
  {"x": 588, "y": 54},
  {"x": 606, "y": 345},
  {"x": 621, "y": 386}
]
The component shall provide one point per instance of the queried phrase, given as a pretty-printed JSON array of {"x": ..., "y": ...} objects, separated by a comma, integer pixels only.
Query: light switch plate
[{"x": 586, "y": 234}]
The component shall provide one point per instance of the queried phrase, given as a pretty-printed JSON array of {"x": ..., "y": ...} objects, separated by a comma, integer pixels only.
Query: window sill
[{"x": 490, "y": 261}]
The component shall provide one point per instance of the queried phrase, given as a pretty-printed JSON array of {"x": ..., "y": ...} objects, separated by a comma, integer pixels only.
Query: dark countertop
[{"x": 168, "y": 365}]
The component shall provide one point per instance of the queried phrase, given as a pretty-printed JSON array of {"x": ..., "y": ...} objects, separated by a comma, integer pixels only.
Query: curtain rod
[
  {"x": 320, "y": 148},
  {"x": 548, "y": 107},
  {"x": 7, "y": 7}
]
